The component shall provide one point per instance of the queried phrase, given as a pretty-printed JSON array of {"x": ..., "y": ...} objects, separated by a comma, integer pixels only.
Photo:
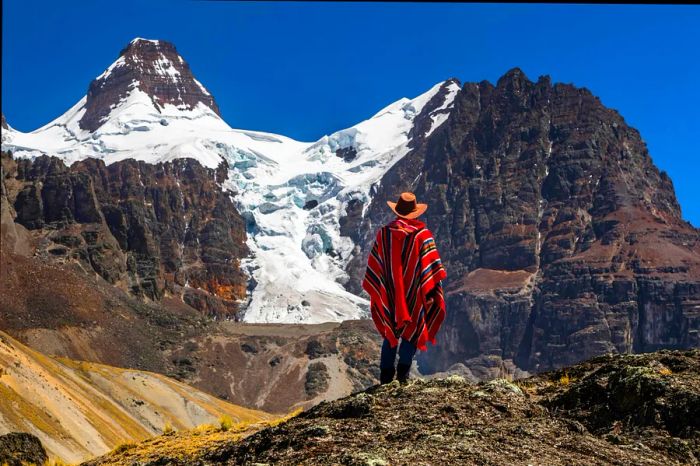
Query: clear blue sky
[{"x": 308, "y": 69}]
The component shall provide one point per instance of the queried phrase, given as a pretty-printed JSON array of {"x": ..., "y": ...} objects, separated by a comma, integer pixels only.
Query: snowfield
[{"x": 298, "y": 257}]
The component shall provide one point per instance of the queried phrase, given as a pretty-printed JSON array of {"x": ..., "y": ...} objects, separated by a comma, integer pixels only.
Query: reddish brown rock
[
  {"x": 153, "y": 230},
  {"x": 155, "y": 68},
  {"x": 64, "y": 304}
]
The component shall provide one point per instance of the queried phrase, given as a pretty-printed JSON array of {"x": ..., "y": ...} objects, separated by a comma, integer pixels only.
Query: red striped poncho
[{"x": 403, "y": 270}]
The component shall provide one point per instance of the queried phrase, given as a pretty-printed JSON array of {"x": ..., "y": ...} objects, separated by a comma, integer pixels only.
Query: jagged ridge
[{"x": 560, "y": 237}]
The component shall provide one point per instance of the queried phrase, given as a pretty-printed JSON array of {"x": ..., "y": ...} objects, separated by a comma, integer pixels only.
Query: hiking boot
[
  {"x": 402, "y": 371},
  {"x": 386, "y": 375}
]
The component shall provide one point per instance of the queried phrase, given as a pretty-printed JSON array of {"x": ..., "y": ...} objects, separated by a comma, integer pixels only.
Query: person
[{"x": 404, "y": 281}]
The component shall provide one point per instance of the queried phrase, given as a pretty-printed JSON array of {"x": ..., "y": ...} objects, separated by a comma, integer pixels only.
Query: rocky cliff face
[
  {"x": 561, "y": 238},
  {"x": 153, "y": 230},
  {"x": 122, "y": 264},
  {"x": 153, "y": 67}
]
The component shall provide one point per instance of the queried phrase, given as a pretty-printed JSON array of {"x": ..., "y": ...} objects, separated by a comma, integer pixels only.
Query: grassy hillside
[{"x": 80, "y": 410}]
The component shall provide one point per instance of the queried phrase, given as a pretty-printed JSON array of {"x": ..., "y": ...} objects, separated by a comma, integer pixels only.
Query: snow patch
[
  {"x": 165, "y": 67},
  {"x": 440, "y": 114},
  {"x": 141, "y": 39}
]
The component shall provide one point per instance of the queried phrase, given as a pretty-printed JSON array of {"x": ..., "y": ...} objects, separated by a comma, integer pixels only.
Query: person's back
[{"x": 404, "y": 280}]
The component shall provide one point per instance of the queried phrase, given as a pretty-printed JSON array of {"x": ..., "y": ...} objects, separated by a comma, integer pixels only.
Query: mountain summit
[
  {"x": 148, "y": 106},
  {"x": 151, "y": 67}
]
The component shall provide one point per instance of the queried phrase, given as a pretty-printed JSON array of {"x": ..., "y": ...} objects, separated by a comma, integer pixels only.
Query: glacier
[{"x": 292, "y": 194}]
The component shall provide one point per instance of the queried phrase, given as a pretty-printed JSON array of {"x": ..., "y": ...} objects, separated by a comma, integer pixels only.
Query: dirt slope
[{"x": 79, "y": 410}]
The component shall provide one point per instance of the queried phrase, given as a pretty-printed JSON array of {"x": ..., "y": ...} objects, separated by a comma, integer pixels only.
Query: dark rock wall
[
  {"x": 20, "y": 448},
  {"x": 150, "y": 229},
  {"x": 560, "y": 237}
]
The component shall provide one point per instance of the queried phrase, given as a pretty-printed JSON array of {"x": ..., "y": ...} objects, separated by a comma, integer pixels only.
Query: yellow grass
[
  {"x": 189, "y": 444},
  {"x": 123, "y": 447},
  {"x": 21, "y": 413},
  {"x": 278, "y": 421},
  {"x": 526, "y": 385},
  {"x": 565, "y": 379},
  {"x": 202, "y": 428},
  {"x": 225, "y": 422},
  {"x": 93, "y": 394},
  {"x": 56, "y": 462}
]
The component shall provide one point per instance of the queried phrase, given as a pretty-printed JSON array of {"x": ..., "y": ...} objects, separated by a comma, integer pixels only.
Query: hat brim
[{"x": 420, "y": 209}]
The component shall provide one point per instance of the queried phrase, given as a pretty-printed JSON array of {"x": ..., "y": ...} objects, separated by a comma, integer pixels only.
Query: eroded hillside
[{"x": 79, "y": 410}]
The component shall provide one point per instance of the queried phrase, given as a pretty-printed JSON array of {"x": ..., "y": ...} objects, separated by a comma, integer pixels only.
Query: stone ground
[{"x": 632, "y": 409}]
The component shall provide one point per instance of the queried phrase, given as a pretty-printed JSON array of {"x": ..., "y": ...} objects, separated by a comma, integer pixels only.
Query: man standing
[{"x": 404, "y": 281}]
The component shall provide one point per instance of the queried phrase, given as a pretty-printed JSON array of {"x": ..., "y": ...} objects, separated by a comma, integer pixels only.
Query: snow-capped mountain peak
[
  {"x": 148, "y": 106},
  {"x": 294, "y": 205},
  {"x": 151, "y": 67}
]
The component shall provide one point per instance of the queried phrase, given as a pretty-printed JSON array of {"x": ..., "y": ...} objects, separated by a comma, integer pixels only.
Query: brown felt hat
[{"x": 407, "y": 207}]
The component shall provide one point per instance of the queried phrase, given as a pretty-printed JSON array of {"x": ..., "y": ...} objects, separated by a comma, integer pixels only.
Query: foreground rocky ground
[
  {"x": 632, "y": 409},
  {"x": 19, "y": 449}
]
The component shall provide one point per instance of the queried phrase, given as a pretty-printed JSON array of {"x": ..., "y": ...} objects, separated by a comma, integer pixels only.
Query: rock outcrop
[
  {"x": 20, "y": 448},
  {"x": 153, "y": 67},
  {"x": 560, "y": 237},
  {"x": 153, "y": 230}
]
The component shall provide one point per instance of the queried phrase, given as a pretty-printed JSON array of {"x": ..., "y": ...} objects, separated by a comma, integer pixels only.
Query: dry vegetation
[{"x": 186, "y": 446}]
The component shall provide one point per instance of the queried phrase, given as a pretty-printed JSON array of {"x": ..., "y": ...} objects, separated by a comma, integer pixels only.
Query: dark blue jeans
[{"x": 406, "y": 351}]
